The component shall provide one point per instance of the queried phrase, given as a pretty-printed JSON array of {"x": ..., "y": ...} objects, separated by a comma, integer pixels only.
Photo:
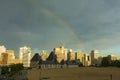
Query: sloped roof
[
  {"x": 51, "y": 56},
  {"x": 36, "y": 57}
]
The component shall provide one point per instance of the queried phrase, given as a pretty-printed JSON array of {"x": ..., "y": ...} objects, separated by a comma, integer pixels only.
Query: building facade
[
  {"x": 4, "y": 59},
  {"x": 2, "y": 50},
  {"x": 11, "y": 56},
  {"x": 80, "y": 56},
  {"x": 94, "y": 57},
  {"x": 59, "y": 52},
  {"x": 25, "y": 56}
]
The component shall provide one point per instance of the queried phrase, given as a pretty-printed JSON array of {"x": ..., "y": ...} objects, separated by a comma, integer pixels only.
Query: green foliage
[
  {"x": 12, "y": 69},
  {"x": 115, "y": 63},
  {"x": 105, "y": 62},
  {"x": 15, "y": 68},
  {"x": 80, "y": 64},
  {"x": 4, "y": 70}
]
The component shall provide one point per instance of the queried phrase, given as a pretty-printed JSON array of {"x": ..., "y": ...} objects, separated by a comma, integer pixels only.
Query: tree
[
  {"x": 80, "y": 64},
  {"x": 105, "y": 62},
  {"x": 115, "y": 63}
]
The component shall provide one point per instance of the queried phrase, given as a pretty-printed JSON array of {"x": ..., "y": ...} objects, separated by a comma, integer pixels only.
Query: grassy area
[{"x": 82, "y": 73}]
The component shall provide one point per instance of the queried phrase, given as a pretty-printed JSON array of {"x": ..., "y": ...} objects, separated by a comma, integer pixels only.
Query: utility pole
[
  {"x": 40, "y": 72},
  {"x": 110, "y": 76}
]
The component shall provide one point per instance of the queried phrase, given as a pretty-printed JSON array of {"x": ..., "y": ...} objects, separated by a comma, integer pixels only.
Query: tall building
[
  {"x": 4, "y": 59},
  {"x": 10, "y": 56},
  {"x": 2, "y": 50},
  {"x": 87, "y": 60},
  {"x": 80, "y": 56},
  {"x": 25, "y": 55},
  {"x": 94, "y": 57},
  {"x": 59, "y": 52},
  {"x": 65, "y": 55},
  {"x": 71, "y": 56}
]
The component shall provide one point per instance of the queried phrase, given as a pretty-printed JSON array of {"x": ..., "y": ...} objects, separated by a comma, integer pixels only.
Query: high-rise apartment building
[
  {"x": 94, "y": 57},
  {"x": 80, "y": 56},
  {"x": 25, "y": 56},
  {"x": 10, "y": 56},
  {"x": 2, "y": 50},
  {"x": 87, "y": 60},
  {"x": 4, "y": 59},
  {"x": 65, "y": 55},
  {"x": 59, "y": 52},
  {"x": 71, "y": 56}
]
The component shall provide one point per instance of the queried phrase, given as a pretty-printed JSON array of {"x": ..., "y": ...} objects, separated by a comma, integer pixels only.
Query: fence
[{"x": 49, "y": 66}]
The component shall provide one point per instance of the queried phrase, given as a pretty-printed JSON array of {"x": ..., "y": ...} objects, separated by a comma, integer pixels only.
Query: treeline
[
  {"x": 106, "y": 62},
  {"x": 11, "y": 69}
]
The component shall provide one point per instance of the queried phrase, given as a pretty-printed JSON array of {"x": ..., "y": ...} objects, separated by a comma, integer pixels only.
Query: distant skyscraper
[
  {"x": 94, "y": 57},
  {"x": 25, "y": 56}
]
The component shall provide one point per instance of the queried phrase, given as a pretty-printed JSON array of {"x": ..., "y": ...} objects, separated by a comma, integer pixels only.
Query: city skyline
[
  {"x": 3, "y": 49},
  {"x": 46, "y": 24}
]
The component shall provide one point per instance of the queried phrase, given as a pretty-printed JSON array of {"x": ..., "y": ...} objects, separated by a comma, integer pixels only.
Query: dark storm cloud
[{"x": 46, "y": 24}]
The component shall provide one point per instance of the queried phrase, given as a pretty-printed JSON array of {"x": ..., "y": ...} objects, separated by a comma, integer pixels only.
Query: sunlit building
[
  {"x": 87, "y": 60},
  {"x": 71, "y": 56},
  {"x": 10, "y": 56},
  {"x": 17, "y": 61},
  {"x": 43, "y": 55},
  {"x": 80, "y": 56},
  {"x": 65, "y": 55},
  {"x": 59, "y": 52},
  {"x": 31, "y": 56},
  {"x": 94, "y": 57},
  {"x": 2, "y": 50},
  {"x": 4, "y": 59},
  {"x": 25, "y": 56}
]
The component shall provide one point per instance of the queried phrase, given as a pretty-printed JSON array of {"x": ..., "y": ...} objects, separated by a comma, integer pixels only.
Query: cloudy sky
[{"x": 45, "y": 24}]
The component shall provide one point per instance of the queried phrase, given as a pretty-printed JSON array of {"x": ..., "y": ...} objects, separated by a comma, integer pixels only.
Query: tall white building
[{"x": 25, "y": 56}]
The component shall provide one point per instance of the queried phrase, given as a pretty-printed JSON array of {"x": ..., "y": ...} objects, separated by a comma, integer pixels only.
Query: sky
[{"x": 76, "y": 24}]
